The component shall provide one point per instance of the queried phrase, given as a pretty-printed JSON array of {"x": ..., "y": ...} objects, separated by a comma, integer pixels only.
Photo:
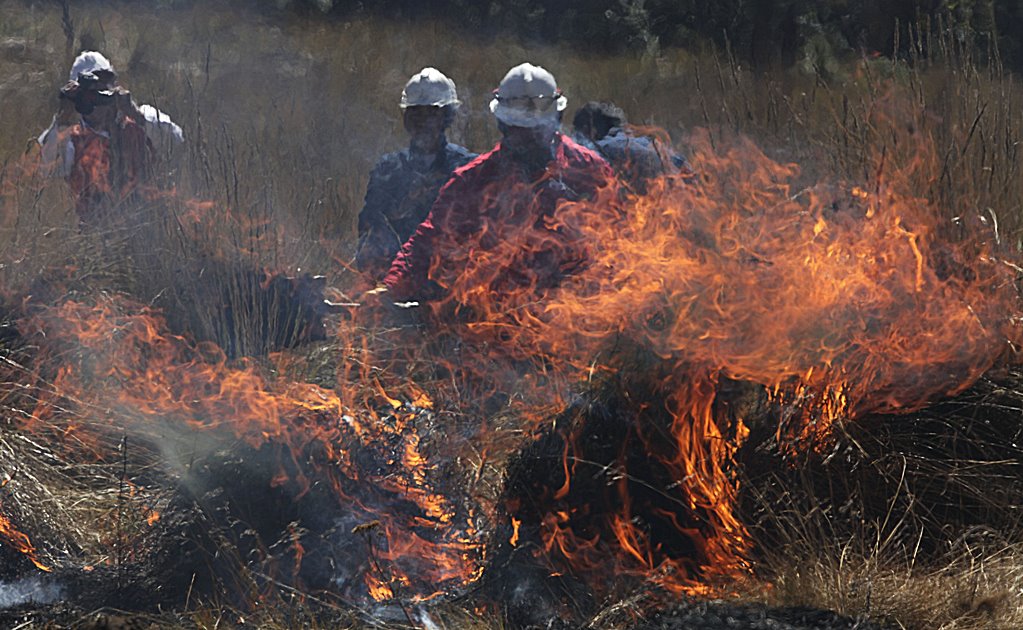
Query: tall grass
[{"x": 299, "y": 110}]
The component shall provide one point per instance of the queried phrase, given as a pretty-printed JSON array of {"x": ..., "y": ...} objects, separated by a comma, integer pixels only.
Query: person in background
[
  {"x": 404, "y": 184},
  {"x": 162, "y": 132},
  {"x": 602, "y": 126},
  {"x": 514, "y": 190},
  {"x": 100, "y": 141}
]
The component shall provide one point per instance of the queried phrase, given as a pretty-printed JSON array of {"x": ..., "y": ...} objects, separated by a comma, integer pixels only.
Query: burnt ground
[
  {"x": 715, "y": 615},
  {"x": 616, "y": 469},
  {"x": 685, "y": 615},
  {"x": 953, "y": 468},
  {"x": 228, "y": 504}
]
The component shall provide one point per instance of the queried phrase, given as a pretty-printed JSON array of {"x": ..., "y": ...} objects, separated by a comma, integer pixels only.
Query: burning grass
[{"x": 695, "y": 413}]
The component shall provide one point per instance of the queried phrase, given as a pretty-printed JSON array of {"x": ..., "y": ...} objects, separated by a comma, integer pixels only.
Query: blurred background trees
[{"x": 763, "y": 33}]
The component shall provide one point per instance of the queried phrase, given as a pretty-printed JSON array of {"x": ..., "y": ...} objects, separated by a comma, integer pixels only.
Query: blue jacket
[
  {"x": 398, "y": 198},
  {"x": 636, "y": 159}
]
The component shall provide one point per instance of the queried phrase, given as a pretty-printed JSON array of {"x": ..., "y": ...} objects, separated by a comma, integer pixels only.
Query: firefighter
[
  {"x": 404, "y": 184},
  {"x": 100, "y": 140},
  {"x": 602, "y": 126},
  {"x": 518, "y": 185},
  {"x": 163, "y": 133}
]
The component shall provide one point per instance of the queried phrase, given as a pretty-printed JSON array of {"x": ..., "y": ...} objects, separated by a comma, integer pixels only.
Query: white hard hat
[
  {"x": 90, "y": 62},
  {"x": 430, "y": 88},
  {"x": 528, "y": 97}
]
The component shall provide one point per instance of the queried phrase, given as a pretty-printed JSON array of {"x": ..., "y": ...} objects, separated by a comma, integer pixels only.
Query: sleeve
[
  {"x": 56, "y": 153},
  {"x": 637, "y": 159},
  {"x": 461, "y": 156},
  {"x": 409, "y": 276},
  {"x": 591, "y": 169},
  {"x": 376, "y": 236},
  {"x": 162, "y": 132}
]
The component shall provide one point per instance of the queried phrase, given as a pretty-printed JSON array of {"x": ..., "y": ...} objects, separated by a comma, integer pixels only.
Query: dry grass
[
  {"x": 975, "y": 582},
  {"x": 285, "y": 117},
  {"x": 910, "y": 519},
  {"x": 978, "y": 590},
  {"x": 284, "y": 120}
]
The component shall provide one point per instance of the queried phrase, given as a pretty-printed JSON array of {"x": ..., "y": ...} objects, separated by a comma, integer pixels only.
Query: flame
[
  {"x": 378, "y": 590},
  {"x": 838, "y": 299},
  {"x": 20, "y": 542},
  {"x": 118, "y": 364}
]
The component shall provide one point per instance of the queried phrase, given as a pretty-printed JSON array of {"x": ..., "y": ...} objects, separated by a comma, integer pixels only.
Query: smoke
[{"x": 31, "y": 590}]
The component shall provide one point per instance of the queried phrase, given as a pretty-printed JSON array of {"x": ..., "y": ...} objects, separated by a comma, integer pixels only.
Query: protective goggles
[{"x": 539, "y": 104}]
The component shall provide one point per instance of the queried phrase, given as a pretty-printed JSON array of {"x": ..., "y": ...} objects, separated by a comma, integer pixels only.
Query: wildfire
[
  {"x": 838, "y": 300},
  {"x": 835, "y": 300},
  {"x": 119, "y": 366}
]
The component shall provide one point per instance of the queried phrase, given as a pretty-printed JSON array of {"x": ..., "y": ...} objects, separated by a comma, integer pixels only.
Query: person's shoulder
[
  {"x": 582, "y": 141},
  {"x": 153, "y": 115},
  {"x": 477, "y": 165},
  {"x": 581, "y": 156},
  {"x": 575, "y": 151},
  {"x": 162, "y": 122},
  {"x": 388, "y": 164},
  {"x": 458, "y": 155},
  {"x": 621, "y": 141},
  {"x": 467, "y": 177}
]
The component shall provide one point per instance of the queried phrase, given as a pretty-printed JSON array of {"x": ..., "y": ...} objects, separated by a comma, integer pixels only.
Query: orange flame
[
  {"x": 841, "y": 299},
  {"x": 20, "y": 542},
  {"x": 126, "y": 368}
]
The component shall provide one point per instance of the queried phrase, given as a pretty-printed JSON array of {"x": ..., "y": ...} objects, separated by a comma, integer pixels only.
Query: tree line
[{"x": 763, "y": 33}]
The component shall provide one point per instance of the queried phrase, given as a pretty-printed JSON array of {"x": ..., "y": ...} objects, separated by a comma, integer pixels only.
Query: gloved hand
[{"x": 125, "y": 106}]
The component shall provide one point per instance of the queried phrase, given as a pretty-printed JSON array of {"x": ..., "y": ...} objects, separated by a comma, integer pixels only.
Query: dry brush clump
[{"x": 912, "y": 518}]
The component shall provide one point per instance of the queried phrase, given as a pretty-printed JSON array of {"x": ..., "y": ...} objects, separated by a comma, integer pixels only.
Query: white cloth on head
[{"x": 89, "y": 62}]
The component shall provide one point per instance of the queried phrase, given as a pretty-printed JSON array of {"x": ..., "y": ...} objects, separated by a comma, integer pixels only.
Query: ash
[{"x": 719, "y": 615}]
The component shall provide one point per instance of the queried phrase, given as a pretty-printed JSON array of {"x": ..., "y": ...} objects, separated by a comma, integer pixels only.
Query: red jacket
[{"x": 494, "y": 226}]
